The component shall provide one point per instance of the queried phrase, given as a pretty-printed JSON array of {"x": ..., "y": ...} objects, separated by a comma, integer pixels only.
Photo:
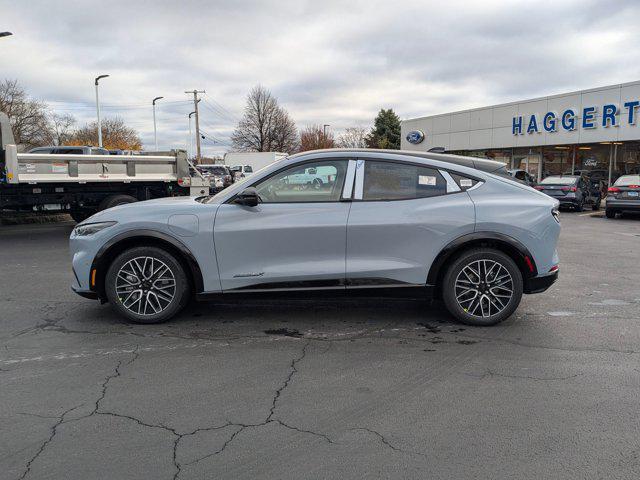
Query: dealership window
[
  {"x": 396, "y": 181},
  {"x": 319, "y": 181}
]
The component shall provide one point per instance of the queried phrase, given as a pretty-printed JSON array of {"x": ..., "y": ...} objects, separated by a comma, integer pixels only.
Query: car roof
[{"x": 482, "y": 164}]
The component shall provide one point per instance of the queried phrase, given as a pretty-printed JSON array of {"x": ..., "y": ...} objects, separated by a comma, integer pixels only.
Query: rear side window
[
  {"x": 67, "y": 151},
  {"x": 248, "y": 169},
  {"x": 463, "y": 182},
  {"x": 396, "y": 181}
]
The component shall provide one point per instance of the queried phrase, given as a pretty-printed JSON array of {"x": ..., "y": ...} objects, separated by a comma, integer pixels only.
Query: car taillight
[
  {"x": 538, "y": 187},
  {"x": 613, "y": 190},
  {"x": 634, "y": 186},
  {"x": 569, "y": 189}
]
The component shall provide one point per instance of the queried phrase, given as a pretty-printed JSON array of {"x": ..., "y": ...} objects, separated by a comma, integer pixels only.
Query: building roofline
[{"x": 529, "y": 100}]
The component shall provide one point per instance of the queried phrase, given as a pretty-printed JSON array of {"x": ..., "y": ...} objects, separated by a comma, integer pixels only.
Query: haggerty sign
[{"x": 612, "y": 116}]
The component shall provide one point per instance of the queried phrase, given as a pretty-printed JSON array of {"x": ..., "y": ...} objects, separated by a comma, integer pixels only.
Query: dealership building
[{"x": 595, "y": 129}]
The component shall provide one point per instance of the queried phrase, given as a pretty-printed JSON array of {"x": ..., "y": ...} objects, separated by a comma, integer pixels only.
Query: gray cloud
[{"x": 330, "y": 62}]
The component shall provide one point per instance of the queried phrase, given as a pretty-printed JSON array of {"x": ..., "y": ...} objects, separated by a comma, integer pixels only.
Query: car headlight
[{"x": 86, "y": 229}]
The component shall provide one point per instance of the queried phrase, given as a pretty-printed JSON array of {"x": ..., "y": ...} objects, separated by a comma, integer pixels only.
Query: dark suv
[{"x": 571, "y": 191}]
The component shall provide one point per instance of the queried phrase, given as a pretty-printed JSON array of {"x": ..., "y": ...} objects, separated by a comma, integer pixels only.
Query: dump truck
[{"x": 82, "y": 185}]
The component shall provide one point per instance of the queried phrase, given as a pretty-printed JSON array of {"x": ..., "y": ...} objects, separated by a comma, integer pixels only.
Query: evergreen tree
[{"x": 386, "y": 131}]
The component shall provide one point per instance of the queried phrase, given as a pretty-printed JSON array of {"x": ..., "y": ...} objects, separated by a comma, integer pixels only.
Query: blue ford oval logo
[{"x": 415, "y": 136}]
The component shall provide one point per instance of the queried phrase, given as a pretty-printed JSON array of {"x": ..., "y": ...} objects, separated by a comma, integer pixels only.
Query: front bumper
[
  {"x": 539, "y": 283},
  {"x": 85, "y": 293}
]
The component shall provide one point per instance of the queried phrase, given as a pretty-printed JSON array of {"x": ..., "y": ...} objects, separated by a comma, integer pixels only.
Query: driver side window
[{"x": 319, "y": 181}]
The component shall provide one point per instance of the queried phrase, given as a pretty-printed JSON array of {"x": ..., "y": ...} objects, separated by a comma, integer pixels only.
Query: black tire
[
  {"x": 133, "y": 311},
  {"x": 596, "y": 206},
  {"x": 580, "y": 206},
  {"x": 609, "y": 213},
  {"x": 115, "y": 200},
  {"x": 80, "y": 215},
  {"x": 450, "y": 289}
]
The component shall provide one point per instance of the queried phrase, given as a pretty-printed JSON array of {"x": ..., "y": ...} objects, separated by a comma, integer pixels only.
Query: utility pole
[
  {"x": 195, "y": 104},
  {"x": 324, "y": 135},
  {"x": 190, "y": 136},
  {"x": 98, "y": 109},
  {"x": 155, "y": 132}
]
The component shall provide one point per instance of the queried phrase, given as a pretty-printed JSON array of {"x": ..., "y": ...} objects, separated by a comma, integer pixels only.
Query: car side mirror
[{"x": 248, "y": 197}]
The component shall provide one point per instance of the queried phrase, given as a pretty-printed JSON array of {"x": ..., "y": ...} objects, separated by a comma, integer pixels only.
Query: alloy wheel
[
  {"x": 145, "y": 285},
  {"x": 484, "y": 288}
]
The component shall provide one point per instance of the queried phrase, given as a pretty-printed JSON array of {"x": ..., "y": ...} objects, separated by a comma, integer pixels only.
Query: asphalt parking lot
[{"x": 323, "y": 389}]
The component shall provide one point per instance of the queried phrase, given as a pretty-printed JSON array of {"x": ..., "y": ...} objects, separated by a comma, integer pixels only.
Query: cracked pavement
[{"x": 353, "y": 388}]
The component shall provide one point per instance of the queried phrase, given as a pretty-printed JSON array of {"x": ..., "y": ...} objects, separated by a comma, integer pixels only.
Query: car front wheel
[
  {"x": 146, "y": 285},
  {"x": 482, "y": 287}
]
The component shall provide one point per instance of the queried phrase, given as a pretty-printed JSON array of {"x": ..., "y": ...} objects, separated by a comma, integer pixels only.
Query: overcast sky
[{"x": 332, "y": 62}]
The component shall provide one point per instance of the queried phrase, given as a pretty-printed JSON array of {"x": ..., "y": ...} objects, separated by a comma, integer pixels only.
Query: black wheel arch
[
  {"x": 136, "y": 238},
  {"x": 504, "y": 243}
]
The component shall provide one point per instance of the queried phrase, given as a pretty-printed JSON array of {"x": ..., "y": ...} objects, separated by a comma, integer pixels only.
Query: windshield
[
  {"x": 627, "y": 180},
  {"x": 558, "y": 181}
]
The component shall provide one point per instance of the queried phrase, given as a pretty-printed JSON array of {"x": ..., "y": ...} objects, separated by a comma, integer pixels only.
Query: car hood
[{"x": 166, "y": 205}]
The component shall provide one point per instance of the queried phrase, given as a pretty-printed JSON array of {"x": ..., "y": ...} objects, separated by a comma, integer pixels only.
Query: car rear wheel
[
  {"x": 580, "y": 206},
  {"x": 609, "y": 213},
  {"x": 482, "y": 287},
  {"x": 147, "y": 285}
]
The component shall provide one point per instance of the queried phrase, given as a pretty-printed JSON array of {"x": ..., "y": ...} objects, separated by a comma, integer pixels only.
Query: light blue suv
[{"x": 384, "y": 222}]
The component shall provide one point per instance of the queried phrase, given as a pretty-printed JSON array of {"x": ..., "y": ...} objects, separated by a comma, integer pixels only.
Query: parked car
[
  {"x": 241, "y": 171},
  {"x": 623, "y": 196},
  {"x": 320, "y": 177},
  {"x": 571, "y": 191},
  {"x": 523, "y": 176},
  {"x": 393, "y": 222},
  {"x": 598, "y": 178},
  {"x": 219, "y": 175},
  {"x": 71, "y": 150}
]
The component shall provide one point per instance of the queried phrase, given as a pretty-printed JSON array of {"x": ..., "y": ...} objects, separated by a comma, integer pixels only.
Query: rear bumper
[
  {"x": 630, "y": 205},
  {"x": 540, "y": 283},
  {"x": 570, "y": 202}
]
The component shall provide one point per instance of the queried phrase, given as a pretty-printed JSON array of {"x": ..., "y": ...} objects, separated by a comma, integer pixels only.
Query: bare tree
[
  {"x": 29, "y": 117},
  {"x": 314, "y": 137},
  {"x": 353, "y": 137},
  {"x": 285, "y": 133},
  {"x": 115, "y": 134},
  {"x": 61, "y": 129},
  {"x": 265, "y": 126}
]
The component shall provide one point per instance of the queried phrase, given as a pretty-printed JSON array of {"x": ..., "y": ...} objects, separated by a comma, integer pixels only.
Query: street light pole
[
  {"x": 190, "y": 135},
  {"x": 98, "y": 109},
  {"x": 155, "y": 132}
]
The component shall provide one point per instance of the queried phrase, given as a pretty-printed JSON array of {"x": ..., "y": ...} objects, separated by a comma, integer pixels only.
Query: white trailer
[
  {"x": 245, "y": 163},
  {"x": 84, "y": 184}
]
